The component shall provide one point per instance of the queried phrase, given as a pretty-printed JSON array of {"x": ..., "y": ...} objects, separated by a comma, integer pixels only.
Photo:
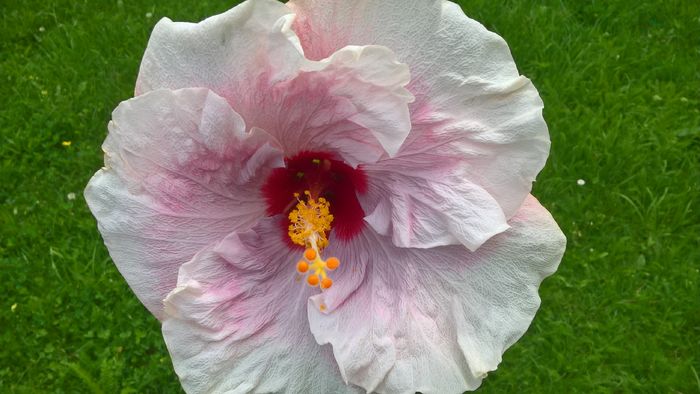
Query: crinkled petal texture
[
  {"x": 239, "y": 322},
  {"x": 180, "y": 173},
  {"x": 424, "y": 212},
  {"x": 353, "y": 102},
  {"x": 474, "y": 116},
  {"x": 436, "y": 321}
]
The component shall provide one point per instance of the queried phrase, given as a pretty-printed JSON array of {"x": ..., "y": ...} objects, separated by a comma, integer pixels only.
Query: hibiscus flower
[{"x": 330, "y": 196}]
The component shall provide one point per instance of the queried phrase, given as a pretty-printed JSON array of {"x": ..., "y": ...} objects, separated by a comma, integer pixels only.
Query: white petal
[
  {"x": 436, "y": 320},
  {"x": 424, "y": 213},
  {"x": 377, "y": 90},
  {"x": 354, "y": 102},
  {"x": 238, "y": 321},
  {"x": 180, "y": 173},
  {"x": 222, "y": 50},
  {"x": 471, "y": 104}
]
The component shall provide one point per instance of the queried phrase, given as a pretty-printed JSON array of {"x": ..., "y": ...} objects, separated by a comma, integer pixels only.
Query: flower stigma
[{"x": 310, "y": 222}]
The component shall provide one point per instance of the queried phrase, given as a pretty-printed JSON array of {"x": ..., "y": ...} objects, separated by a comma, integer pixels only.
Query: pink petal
[
  {"x": 179, "y": 174},
  {"x": 437, "y": 320},
  {"x": 238, "y": 321},
  {"x": 354, "y": 102},
  {"x": 473, "y": 113}
]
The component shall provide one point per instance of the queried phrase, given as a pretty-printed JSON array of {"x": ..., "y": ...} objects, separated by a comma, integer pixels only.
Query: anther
[
  {"x": 312, "y": 280},
  {"x": 332, "y": 263},
  {"x": 326, "y": 165},
  {"x": 310, "y": 254},
  {"x": 326, "y": 283},
  {"x": 302, "y": 266}
]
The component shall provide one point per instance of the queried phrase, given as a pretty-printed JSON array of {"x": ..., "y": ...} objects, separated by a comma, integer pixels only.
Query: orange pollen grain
[
  {"x": 326, "y": 283},
  {"x": 312, "y": 280},
  {"x": 332, "y": 263},
  {"x": 302, "y": 266},
  {"x": 310, "y": 254}
]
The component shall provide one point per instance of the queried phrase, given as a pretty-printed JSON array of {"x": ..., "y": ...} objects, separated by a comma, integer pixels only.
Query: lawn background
[{"x": 621, "y": 86}]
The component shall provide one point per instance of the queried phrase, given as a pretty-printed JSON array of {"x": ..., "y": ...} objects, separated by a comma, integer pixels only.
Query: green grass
[{"x": 621, "y": 84}]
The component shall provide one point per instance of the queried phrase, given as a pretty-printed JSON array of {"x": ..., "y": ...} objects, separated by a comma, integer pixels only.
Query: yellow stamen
[
  {"x": 310, "y": 223},
  {"x": 310, "y": 218}
]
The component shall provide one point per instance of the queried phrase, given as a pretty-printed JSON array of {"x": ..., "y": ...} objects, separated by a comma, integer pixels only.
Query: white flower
[{"x": 396, "y": 138}]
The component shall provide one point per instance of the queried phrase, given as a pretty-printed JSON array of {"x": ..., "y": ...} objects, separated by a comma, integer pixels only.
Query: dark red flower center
[{"x": 324, "y": 177}]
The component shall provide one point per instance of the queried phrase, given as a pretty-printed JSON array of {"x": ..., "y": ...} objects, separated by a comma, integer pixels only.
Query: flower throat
[{"x": 318, "y": 195}]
